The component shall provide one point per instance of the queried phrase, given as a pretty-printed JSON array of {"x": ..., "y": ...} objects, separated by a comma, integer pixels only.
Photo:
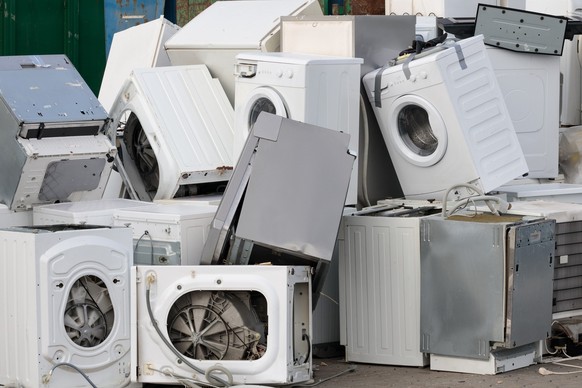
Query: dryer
[
  {"x": 65, "y": 301},
  {"x": 445, "y": 122},
  {"x": 314, "y": 89}
]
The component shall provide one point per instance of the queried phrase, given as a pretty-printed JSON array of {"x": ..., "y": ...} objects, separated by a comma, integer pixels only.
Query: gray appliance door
[
  {"x": 287, "y": 191},
  {"x": 462, "y": 287}
]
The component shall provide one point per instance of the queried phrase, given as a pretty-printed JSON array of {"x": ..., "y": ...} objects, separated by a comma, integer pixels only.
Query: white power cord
[{"x": 545, "y": 372}]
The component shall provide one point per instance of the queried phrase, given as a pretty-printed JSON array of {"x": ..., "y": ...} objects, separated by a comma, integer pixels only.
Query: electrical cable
[
  {"x": 146, "y": 233},
  {"x": 349, "y": 370},
  {"x": 46, "y": 378},
  {"x": 306, "y": 338},
  {"x": 366, "y": 151},
  {"x": 168, "y": 344},
  {"x": 329, "y": 297}
]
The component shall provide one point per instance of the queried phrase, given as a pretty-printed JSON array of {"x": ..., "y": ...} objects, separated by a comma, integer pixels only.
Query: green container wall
[{"x": 75, "y": 28}]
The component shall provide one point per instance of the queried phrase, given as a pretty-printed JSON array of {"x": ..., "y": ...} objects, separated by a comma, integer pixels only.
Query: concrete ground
[{"x": 372, "y": 376}]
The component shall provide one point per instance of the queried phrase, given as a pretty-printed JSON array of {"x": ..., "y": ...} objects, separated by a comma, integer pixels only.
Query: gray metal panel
[
  {"x": 530, "y": 272},
  {"x": 297, "y": 190},
  {"x": 462, "y": 287},
  {"x": 372, "y": 42},
  {"x": 294, "y": 177},
  {"x": 46, "y": 89},
  {"x": 521, "y": 31},
  {"x": 64, "y": 177}
]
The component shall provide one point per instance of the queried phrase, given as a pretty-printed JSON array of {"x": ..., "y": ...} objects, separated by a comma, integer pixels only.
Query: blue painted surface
[{"x": 122, "y": 14}]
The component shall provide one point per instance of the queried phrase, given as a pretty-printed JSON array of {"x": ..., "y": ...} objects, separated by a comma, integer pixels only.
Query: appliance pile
[{"x": 187, "y": 235}]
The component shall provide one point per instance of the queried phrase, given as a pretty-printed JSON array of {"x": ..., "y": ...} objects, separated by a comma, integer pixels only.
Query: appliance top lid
[
  {"x": 95, "y": 206},
  {"x": 296, "y": 58},
  {"x": 234, "y": 24},
  {"x": 40, "y": 229},
  {"x": 164, "y": 210},
  {"x": 47, "y": 89},
  {"x": 541, "y": 189}
]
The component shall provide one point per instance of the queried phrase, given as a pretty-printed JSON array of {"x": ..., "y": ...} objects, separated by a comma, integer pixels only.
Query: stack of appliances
[
  {"x": 266, "y": 277},
  {"x": 361, "y": 36},
  {"x": 57, "y": 141}
]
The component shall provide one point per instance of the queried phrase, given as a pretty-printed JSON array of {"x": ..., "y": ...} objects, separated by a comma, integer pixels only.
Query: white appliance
[
  {"x": 84, "y": 212},
  {"x": 167, "y": 234},
  {"x": 254, "y": 322},
  {"x": 439, "y": 8},
  {"x": 66, "y": 300},
  {"x": 10, "y": 218},
  {"x": 530, "y": 85},
  {"x": 314, "y": 89},
  {"x": 445, "y": 122},
  {"x": 56, "y": 138},
  {"x": 137, "y": 47},
  {"x": 219, "y": 33},
  {"x": 569, "y": 61},
  {"x": 380, "y": 283},
  {"x": 177, "y": 131}
]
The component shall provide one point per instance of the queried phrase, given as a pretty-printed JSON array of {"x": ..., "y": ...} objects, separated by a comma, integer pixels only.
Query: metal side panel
[
  {"x": 530, "y": 269},
  {"x": 382, "y": 284}
]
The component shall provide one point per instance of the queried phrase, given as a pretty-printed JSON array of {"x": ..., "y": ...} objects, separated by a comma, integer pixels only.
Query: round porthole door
[
  {"x": 417, "y": 131},
  {"x": 262, "y": 99}
]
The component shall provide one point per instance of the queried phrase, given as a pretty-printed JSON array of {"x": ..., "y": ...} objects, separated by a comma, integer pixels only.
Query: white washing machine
[
  {"x": 193, "y": 322},
  {"x": 65, "y": 301},
  {"x": 314, "y": 89},
  {"x": 177, "y": 131},
  {"x": 445, "y": 122}
]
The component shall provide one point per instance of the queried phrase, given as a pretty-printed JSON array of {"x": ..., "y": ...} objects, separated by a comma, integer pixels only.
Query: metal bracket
[{"x": 521, "y": 31}]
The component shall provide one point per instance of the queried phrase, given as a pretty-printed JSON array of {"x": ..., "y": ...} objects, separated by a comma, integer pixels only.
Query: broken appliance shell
[{"x": 55, "y": 134}]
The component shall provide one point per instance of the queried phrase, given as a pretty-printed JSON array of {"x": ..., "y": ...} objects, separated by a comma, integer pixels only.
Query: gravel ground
[{"x": 371, "y": 376}]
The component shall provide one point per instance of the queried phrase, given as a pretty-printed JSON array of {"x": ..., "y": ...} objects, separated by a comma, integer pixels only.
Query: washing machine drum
[
  {"x": 417, "y": 131},
  {"x": 263, "y": 99}
]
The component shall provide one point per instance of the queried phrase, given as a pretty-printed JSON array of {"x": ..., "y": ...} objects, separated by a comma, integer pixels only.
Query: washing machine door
[
  {"x": 262, "y": 99},
  {"x": 417, "y": 131}
]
